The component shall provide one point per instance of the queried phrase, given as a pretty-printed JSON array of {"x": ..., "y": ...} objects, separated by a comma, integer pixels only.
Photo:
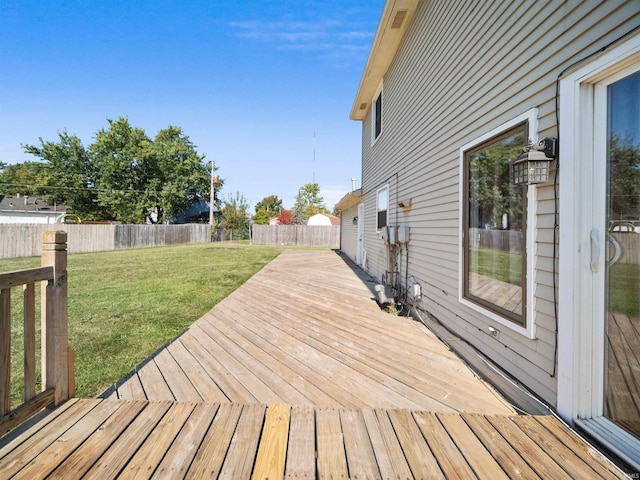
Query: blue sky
[{"x": 249, "y": 81}]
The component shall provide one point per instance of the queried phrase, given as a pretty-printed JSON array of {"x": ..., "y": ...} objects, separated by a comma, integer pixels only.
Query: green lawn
[
  {"x": 503, "y": 266},
  {"x": 125, "y": 304},
  {"x": 624, "y": 287}
]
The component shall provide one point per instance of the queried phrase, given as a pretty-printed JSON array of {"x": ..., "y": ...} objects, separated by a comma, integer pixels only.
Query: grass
[
  {"x": 624, "y": 289},
  {"x": 503, "y": 266},
  {"x": 125, "y": 304}
]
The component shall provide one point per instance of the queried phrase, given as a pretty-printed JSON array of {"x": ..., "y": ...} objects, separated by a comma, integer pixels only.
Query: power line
[{"x": 87, "y": 189}]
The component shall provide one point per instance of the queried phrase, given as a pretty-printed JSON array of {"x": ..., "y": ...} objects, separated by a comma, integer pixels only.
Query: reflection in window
[
  {"x": 495, "y": 225},
  {"x": 622, "y": 269},
  {"x": 382, "y": 205},
  {"x": 378, "y": 117}
]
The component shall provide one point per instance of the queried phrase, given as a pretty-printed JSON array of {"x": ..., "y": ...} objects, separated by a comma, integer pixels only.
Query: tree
[
  {"x": 286, "y": 218},
  {"x": 235, "y": 213},
  {"x": 271, "y": 204},
  {"x": 266, "y": 209},
  {"x": 490, "y": 188},
  {"x": 68, "y": 174},
  {"x": 123, "y": 158},
  {"x": 26, "y": 178},
  {"x": 123, "y": 175},
  {"x": 624, "y": 178},
  {"x": 181, "y": 178},
  {"x": 261, "y": 217},
  {"x": 308, "y": 203}
]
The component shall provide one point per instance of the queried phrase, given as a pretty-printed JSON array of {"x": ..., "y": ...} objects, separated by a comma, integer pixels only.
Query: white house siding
[
  {"x": 463, "y": 69},
  {"x": 29, "y": 217},
  {"x": 349, "y": 232}
]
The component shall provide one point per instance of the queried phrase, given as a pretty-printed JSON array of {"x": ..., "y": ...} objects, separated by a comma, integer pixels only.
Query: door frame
[
  {"x": 360, "y": 236},
  {"x": 581, "y": 336}
]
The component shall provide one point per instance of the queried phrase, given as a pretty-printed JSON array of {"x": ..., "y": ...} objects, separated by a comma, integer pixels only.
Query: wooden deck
[
  {"x": 305, "y": 331},
  {"x": 298, "y": 374}
]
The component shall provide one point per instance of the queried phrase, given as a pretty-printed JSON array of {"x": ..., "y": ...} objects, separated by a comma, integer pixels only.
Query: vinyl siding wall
[
  {"x": 349, "y": 232},
  {"x": 463, "y": 69}
]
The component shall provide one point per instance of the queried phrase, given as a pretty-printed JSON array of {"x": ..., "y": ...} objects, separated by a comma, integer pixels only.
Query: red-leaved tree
[{"x": 285, "y": 218}]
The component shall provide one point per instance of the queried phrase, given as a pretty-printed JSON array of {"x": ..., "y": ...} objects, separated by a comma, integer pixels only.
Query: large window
[{"x": 494, "y": 226}]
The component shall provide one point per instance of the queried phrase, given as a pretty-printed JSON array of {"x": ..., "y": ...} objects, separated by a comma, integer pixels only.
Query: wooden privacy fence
[
  {"x": 56, "y": 357},
  {"x": 297, "y": 235},
  {"x": 629, "y": 243},
  {"x": 503, "y": 240},
  {"x": 24, "y": 240}
]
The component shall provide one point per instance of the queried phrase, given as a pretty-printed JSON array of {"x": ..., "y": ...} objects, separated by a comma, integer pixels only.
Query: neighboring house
[
  {"x": 320, "y": 219},
  {"x": 24, "y": 209},
  {"x": 198, "y": 212},
  {"x": 450, "y": 94}
]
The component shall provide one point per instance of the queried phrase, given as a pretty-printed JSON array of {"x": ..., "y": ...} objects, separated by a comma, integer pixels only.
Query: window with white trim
[
  {"x": 497, "y": 225},
  {"x": 382, "y": 207}
]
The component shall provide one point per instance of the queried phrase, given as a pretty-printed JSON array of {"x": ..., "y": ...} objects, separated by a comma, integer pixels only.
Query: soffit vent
[
  {"x": 363, "y": 106},
  {"x": 398, "y": 19}
]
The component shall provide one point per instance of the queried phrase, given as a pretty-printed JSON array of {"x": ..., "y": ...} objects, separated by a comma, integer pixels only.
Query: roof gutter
[{"x": 396, "y": 16}]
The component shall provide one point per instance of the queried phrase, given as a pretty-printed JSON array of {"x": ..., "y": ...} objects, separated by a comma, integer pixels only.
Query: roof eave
[
  {"x": 349, "y": 200},
  {"x": 384, "y": 47}
]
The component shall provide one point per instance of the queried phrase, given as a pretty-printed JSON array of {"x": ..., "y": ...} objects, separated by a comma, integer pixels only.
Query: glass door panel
[{"x": 622, "y": 272}]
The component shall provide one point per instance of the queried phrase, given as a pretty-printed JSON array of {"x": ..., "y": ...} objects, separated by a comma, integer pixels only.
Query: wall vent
[
  {"x": 398, "y": 19},
  {"x": 363, "y": 106}
]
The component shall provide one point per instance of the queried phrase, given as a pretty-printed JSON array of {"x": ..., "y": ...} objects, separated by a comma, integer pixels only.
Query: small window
[
  {"x": 382, "y": 206},
  {"x": 378, "y": 116},
  {"x": 495, "y": 226},
  {"x": 376, "y": 120}
]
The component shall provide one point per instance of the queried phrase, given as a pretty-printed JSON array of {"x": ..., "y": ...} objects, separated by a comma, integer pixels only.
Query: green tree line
[{"x": 124, "y": 175}]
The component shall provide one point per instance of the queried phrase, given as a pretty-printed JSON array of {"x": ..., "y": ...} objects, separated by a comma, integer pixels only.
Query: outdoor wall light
[
  {"x": 534, "y": 164},
  {"x": 355, "y": 220}
]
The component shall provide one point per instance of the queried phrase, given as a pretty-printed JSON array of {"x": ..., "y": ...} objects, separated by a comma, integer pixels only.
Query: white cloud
[{"x": 320, "y": 36}]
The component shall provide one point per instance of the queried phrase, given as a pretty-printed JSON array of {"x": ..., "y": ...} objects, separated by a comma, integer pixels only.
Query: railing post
[
  {"x": 5, "y": 351},
  {"x": 55, "y": 356}
]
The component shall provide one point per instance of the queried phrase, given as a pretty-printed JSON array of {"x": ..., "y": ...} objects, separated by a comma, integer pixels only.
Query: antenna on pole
[{"x": 314, "y": 156}]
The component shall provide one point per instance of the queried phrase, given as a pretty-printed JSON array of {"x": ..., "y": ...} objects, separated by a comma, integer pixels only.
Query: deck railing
[{"x": 58, "y": 381}]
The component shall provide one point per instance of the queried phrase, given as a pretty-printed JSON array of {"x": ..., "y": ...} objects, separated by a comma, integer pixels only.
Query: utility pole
[{"x": 213, "y": 194}]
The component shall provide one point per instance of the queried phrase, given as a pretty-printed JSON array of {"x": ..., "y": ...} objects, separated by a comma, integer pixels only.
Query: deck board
[
  {"x": 178, "y": 458},
  {"x": 450, "y": 458},
  {"x": 197, "y": 374},
  {"x": 301, "y": 448},
  {"x": 211, "y": 454},
  {"x": 272, "y": 450},
  {"x": 357, "y": 445},
  {"x": 152, "y": 451},
  {"x": 501, "y": 449},
  {"x": 181, "y": 387},
  {"x": 117, "y": 456},
  {"x": 332, "y": 458},
  {"x": 244, "y": 444}
]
